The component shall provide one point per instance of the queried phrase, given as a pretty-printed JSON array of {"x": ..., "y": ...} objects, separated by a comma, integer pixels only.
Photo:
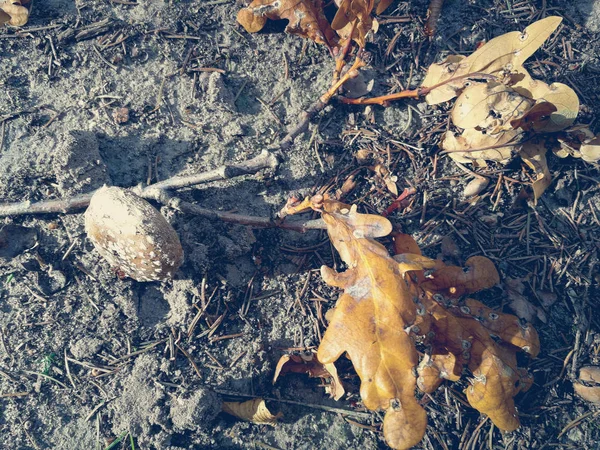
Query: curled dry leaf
[
  {"x": 506, "y": 52},
  {"x": 13, "y": 12},
  {"x": 389, "y": 303},
  {"x": 587, "y": 386},
  {"x": 306, "y": 18},
  {"x": 590, "y": 150},
  {"x": 353, "y": 19},
  {"x": 309, "y": 363},
  {"x": 579, "y": 142},
  {"x": 561, "y": 96},
  {"x": 254, "y": 411},
  {"x": 534, "y": 154}
]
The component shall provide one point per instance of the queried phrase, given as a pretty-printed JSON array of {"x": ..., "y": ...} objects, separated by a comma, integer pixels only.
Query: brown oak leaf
[{"x": 306, "y": 18}]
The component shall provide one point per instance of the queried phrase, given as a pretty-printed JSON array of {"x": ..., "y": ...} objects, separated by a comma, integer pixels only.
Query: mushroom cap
[{"x": 132, "y": 235}]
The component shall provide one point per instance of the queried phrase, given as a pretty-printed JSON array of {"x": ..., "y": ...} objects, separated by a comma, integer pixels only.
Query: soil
[{"x": 122, "y": 93}]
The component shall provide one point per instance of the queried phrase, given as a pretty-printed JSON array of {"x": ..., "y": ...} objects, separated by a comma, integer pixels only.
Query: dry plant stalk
[{"x": 389, "y": 304}]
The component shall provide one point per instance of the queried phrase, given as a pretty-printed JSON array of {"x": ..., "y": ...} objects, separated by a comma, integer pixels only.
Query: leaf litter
[{"x": 388, "y": 304}]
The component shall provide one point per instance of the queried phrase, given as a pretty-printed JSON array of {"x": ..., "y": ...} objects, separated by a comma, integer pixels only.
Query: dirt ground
[{"x": 86, "y": 358}]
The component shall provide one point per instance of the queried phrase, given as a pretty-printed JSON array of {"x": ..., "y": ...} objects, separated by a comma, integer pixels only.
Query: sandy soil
[{"x": 86, "y": 357}]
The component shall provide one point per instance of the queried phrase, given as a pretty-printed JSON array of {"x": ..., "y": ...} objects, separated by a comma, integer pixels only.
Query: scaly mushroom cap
[{"x": 132, "y": 235}]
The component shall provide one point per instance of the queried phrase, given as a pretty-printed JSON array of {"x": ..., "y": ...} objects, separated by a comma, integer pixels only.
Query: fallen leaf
[
  {"x": 473, "y": 145},
  {"x": 567, "y": 107},
  {"x": 353, "y": 20},
  {"x": 404, "y": 243},
  {"x": 506, "y": 52},
  {"x": 309, "y": 363},
  {"x": 254, "y": 411},
  {"x": 534, "y": 154},
  {"x": 489, "y": 105},
  {"x": 590, "y": 150},
  {"x": 388, "y": 303},
  {"x": 587, "y": 386},
  {"x": 571, "y": 140},
  {"x": 306, "y": 18},
  {"x": 13, "y": 12}
]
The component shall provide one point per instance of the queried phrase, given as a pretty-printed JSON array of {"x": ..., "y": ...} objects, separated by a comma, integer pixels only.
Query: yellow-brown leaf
[{"x": 506, "y": 52}]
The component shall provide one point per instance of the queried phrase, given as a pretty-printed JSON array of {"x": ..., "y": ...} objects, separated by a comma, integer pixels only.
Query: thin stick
[
  {"x": 78, "y": 202},
  {"x": 253, "y": 221}
]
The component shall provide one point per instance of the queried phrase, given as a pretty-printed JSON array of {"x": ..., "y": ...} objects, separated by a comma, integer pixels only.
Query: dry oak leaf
[
  {"x": 353, "y": 19},
  {"x": 308, "y": 363},
  {"x": 474, "y": 145},
  {"x": 490, "y": 106},
  {"x": 388, "y": 303},
  {"x": 579, "y": 142},
  {"x": 470, "y": 334},
  {"x": 561, "y": 96},
  {"x": 503, "y": 53},
  {"x": 254, "y": 411},
  {"x": 369, "y": 322},
  {"x": 306, "y": 18},
  {"x": 13, "y": 12}
]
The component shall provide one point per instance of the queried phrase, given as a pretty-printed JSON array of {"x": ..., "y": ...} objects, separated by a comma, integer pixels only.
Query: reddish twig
[{"x": 411, "y": 93}]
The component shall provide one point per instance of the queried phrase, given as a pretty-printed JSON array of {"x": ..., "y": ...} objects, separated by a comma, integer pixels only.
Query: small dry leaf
[
  {"x": 476, "y": 187},
  {"x": 534, "y": 154},
  {"x": 353, "y": 20},
  {"x": 493, "y": 147},
  {"x": 590, "y": 150},
  {"x": 308, "y": 363},
  {"x": 13, "y": 12},
  {"x": 306, "y": 18},
  {"x": 561, "y": 96},
  {"x": 588, "y": 384},
  {"x": 567, "y": 107},
  {"x": 254, "y": 411},
  {"x": 506, "y": 52}
]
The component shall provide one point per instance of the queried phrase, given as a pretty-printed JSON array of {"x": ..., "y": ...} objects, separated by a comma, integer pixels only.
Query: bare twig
[{"x": 78, "y": 202}]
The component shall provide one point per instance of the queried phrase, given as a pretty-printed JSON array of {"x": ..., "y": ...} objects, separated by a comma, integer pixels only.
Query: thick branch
[{"x": 69, "y": 205}]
